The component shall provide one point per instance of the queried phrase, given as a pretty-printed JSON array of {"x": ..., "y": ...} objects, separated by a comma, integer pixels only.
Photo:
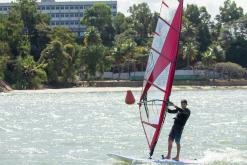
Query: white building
[{"x": 65, "y": 13}]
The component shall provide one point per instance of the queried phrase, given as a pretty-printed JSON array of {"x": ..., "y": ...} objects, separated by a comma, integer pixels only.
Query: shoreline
[{"x": 123, "y": 89}]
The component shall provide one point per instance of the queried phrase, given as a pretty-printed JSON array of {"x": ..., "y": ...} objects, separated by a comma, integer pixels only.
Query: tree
[
  {"x": 4, "y": 52},
  {"x": 200, "y": 20},
  {"x": 192, "y": 13},
  {"x": 96, "y": 57},
  {"x": 3, "y": 21},
  {"x": 189, "y": 44},
  {"x": 63, "y": 35},
  {"x": 123, "y": 48},
  {"x": 92, "y": 36},
  {"x": 41, "y": 38},
  {"x": 233, "y": 39},
  {"x": 13, "y": 33},
  {"x": 100, "y": 17},
  {"x": 204, "y": 36},
  {"x": 119, "y": 23},
  {"x": 73, "y": 63},
  {"x": 141, "y": 17},
  {"x": 57, "y": 62},
  {"x": 32, "y": 21},
  {"x": 212, "y": 55},
  {"x": 229, "y": 12},
  {"x": 208, "y": 58},
  {"x": 27, "y": 74}
]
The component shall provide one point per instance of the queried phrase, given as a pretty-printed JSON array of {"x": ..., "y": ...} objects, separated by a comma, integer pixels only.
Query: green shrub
[{"x": 230, "y": 70}]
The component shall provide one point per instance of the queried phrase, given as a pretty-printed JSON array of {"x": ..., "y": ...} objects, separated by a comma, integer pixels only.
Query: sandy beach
[{"x": 123, "y": 89}]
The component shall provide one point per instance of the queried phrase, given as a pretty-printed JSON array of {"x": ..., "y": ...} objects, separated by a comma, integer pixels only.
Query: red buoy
[{"x": 129, "y": 99}]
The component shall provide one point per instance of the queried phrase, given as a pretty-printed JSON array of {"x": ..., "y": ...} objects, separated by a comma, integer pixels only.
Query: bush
[
  {"x": 28, "y": 74},
  {"x": 230, "y": 70},
  {"x": 3, "y": 64}
]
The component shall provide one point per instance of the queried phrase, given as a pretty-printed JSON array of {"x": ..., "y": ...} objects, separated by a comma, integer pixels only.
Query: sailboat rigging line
[
  {"x": 165, "y": 4},
  {"x": 168, "y": 59},
  {"x": 155, "y": 33},
  {"x": 155, "y": 86},
  {"x": 156, "y": 51},
  {"x": 152, "y": 101},
  {"x": 145, "y": 105},
  {"x": 169, "y": 24}
]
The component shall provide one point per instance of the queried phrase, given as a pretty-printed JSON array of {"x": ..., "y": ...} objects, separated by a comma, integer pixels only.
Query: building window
[
  {"x": 62, "y": 15},
  {"x": 114, "y": 6},
  {"x": 71, "y": 15},
  {"x": 87, "y": 6},
  {"x": 57, "y": 15},
  {"x": 52, "y": 8},
  {"x": 1, "y": 9},
  {"x": 66, "y": 15},
  {"x": 52, "y": 23},
  {"x": 71, "y": 7},
  {"x": 81, "y": 14},
  {"x": 66, "y": 7},
  {"x": 52, "y": 15},
  {"x": 57, "y": 7},
  {"x": 77, "y": 7},
  {"x": 66, "y": 23},
  {"x": 76, "y": 14},
  {"x": 47, "y": 7},
  {"x": 5, "y": 8},
  {"x": 43, "y": 8},
  {"x": 62, "y": 7},
  {"x": 39, "y": 8},
  {"x": 81, "y": 7}
]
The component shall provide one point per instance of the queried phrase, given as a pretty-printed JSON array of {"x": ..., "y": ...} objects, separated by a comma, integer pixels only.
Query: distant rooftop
[
  {"x": 50, "y": 1},
  {"x": 47, "y": 0}
]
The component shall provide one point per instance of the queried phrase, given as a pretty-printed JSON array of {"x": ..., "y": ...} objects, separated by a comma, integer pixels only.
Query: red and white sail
[{"x": 160, "y": 70}]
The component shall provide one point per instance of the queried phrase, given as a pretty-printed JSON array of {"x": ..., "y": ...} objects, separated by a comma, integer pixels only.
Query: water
[{"x": 81, "y": 128}]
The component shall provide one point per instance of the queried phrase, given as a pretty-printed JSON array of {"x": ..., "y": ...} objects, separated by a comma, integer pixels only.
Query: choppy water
[{"x": 81, "y": 128}]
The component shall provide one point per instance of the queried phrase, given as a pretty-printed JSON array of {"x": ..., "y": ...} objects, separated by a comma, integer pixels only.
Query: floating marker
[{"x": 129, "y": 99}]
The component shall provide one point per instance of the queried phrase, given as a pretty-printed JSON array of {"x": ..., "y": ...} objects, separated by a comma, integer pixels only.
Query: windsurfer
[{"x": 177, "y": 128}]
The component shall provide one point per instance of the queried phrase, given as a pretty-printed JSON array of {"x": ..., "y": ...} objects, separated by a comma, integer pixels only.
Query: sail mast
[{"x": 173, "y": 67}]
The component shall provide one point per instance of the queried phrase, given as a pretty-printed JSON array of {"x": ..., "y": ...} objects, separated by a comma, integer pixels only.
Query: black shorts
[{"x": 176, "y": 133}]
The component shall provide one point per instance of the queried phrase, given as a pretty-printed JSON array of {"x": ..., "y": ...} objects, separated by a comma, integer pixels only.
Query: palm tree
[
  {"x": 208, "y": 58},
  {"x": 190, "y": 52},
  {"x": 190, "y": 47}
]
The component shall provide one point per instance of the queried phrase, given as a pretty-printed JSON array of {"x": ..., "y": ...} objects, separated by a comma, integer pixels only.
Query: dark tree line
[{"x": 32, "y": 53}]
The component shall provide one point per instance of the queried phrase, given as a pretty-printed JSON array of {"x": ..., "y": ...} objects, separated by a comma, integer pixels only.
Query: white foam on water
[
  {"x": 30, "y": 150},
  {"x": 229, "y": 155},
  {"x": 5, "y": 129},
  {"x": 54, "y": 116}
]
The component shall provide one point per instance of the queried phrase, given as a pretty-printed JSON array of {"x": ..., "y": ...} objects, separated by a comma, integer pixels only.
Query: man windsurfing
[{"x": 182, "y": 116}]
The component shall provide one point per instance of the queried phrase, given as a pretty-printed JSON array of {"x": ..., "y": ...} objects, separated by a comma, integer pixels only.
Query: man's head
[{"x": 183, "y": 103}]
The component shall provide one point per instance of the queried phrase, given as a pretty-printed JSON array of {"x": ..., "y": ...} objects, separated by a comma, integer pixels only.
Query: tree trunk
[
  {"x": 188, "y": 60},
  {"x": 119, "y": 72}
]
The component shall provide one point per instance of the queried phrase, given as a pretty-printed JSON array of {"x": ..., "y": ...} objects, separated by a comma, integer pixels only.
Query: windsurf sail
[{"x": 160, "y": 70}]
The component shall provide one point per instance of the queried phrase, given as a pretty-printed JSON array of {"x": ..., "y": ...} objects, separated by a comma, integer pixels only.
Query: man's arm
[
  {"x": 172, "y": 111},
  {"x": 175, "y": 110}
]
